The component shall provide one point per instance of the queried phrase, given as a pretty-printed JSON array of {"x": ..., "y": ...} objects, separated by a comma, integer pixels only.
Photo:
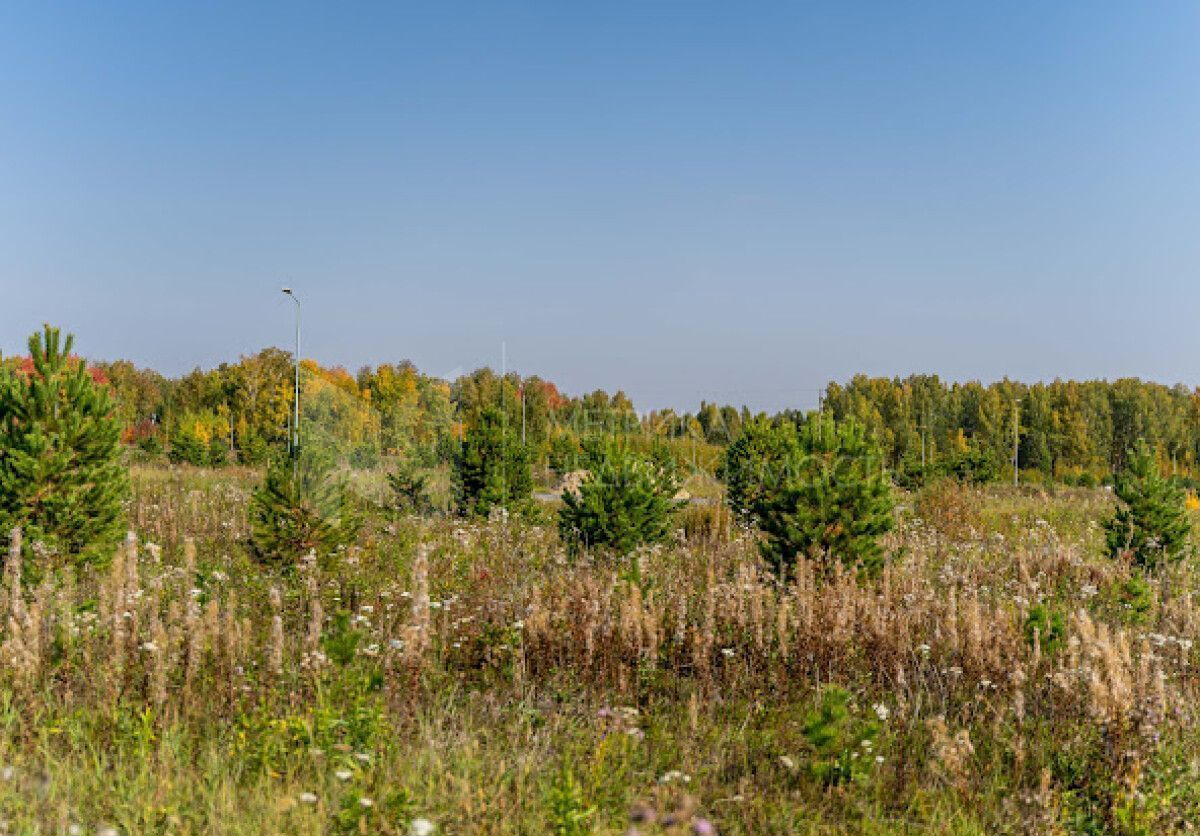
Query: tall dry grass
[{"x": 482, "y": 649}]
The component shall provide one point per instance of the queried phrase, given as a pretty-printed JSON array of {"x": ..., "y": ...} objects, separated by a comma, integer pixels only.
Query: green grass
[{"x": 559, "y": 697}]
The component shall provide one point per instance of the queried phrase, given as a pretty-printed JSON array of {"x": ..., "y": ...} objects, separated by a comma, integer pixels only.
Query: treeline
[
  {"x": 242, "y": 413},
  {"x": 1069, "y": 431}
]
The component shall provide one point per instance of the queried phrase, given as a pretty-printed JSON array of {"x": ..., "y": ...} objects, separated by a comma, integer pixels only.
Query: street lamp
[{"x": 295, "y": 439}]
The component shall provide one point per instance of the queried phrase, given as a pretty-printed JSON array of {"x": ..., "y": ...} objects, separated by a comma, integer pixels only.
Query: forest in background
[{"x": 1074, "y": 432}]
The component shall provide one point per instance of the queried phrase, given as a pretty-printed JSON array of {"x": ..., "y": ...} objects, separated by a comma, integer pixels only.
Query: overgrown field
[{"x": 1001, "y": 675}]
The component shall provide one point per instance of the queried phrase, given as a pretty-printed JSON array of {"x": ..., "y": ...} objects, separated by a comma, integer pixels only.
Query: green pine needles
[
  {"x": 293, "y": 515},
  {"x": 491, "y": 467},
  {"x": 831, "y": 501},
  {"x": 410, "y": 489},
  {"x": 1151, "y": 526},
  {"x": 61, "y": 477},
  {"x": 625, "y": 501},
  {"x": 752, "y": 466}
]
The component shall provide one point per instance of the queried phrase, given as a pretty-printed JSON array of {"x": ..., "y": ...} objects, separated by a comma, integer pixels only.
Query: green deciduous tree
[
  {"x": 833, "y": 501},
  {"x": 61, "y": 477},
  {"x": 625, "y": 501},
  {"x": 1151, "y": 526}
]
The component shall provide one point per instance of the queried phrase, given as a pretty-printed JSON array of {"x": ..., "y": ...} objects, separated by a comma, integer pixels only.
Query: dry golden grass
[{"x": 1001, "y": 676}]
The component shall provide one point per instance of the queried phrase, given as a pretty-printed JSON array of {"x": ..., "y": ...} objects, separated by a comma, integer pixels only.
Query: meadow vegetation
[
  {"x": 416, "y": 646},
  {"x": 1001, "y": 674}
]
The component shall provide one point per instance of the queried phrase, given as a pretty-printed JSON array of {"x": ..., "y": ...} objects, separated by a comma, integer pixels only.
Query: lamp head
[{"x": 288, "y": 291}]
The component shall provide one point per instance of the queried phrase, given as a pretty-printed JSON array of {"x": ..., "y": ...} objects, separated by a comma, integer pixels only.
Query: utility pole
[
  {"x": 1016, "y": 437},
  {"x": 295, "y": 435},
  {"x": 504, "y": 429}
]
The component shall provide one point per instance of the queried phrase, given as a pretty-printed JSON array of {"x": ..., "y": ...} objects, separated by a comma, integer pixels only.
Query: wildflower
[
  {"x": 674, "y": 775},
  {"x": 882, "y": 712},
  {"x": 787, "y": 762},
  {"x": 149, "y": 647},
  {"x": 727, "y": 651},
  {"x": 362, "y": 757},
  {"x": 703, "y": 827},
  {"x": 879, "y": 759},
  {"x": 421, "y": 827},
  {"x": 365, "y": 802},
  {"x": 308, "y": 798},
  {"x": 343, "y": 774}
]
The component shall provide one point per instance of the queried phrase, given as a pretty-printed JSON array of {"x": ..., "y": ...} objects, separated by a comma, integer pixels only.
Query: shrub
[
  {"x": 625, "y": 501},
  {"x": 491, "y": 467},
  {"x": 294, "y": 514},
  {"x": 61, "y": 478},
  {"x": 1151, "y": 526},
  {"x": 1046, "y": 628},
  {"x": 410, "y": 488},
  {"x": 567, "y": 809},
  {"x": 840, "y": 744},
  {"x": 833, "y": 502},
  {"x": 186, "y": 448},
  {"x": 973, "y": 466}
]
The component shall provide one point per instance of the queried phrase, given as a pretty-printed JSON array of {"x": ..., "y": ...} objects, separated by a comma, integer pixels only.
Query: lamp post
[{"x": 295, "y": 439}]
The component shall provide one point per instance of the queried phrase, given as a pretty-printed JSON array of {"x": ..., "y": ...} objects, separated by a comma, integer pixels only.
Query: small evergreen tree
[
  {"x": 491, "y": 467},
  {"x": 61, "y": 477},
  {"x": 833, "y": 501},
  {"x": 1151, "y": 527},
  {"x": 410, "y": 488},
  {"x": 839, "y": 742},
  {"x": 752, "y": 466},
  {"x": 188, "y": 448},
  {"x": 292, "y": 515},
  {"x": 625, "y": 501}
]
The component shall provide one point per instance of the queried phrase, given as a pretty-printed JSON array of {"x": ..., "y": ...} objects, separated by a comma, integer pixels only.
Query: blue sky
[{"x": 686, "y": 200}]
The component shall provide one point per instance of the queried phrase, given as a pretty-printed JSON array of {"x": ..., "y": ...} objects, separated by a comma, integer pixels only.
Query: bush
[
  {"x": 1045, "y": 627},
  {"x": 410, "y": 488},
  {"x": 491, "y": 468},
  {"x": 61, "y": 477},
  {"x": 1151, "y": 526},
  {"x": 833, "y": 502},
  {"x": 840, "y": 743},
  {"x": 625, "y": 501},
  {"x": 292, "y": 515}
]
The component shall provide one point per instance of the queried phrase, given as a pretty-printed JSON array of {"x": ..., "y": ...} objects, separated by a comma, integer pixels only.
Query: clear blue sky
[{"x": 686, "y": 200}]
